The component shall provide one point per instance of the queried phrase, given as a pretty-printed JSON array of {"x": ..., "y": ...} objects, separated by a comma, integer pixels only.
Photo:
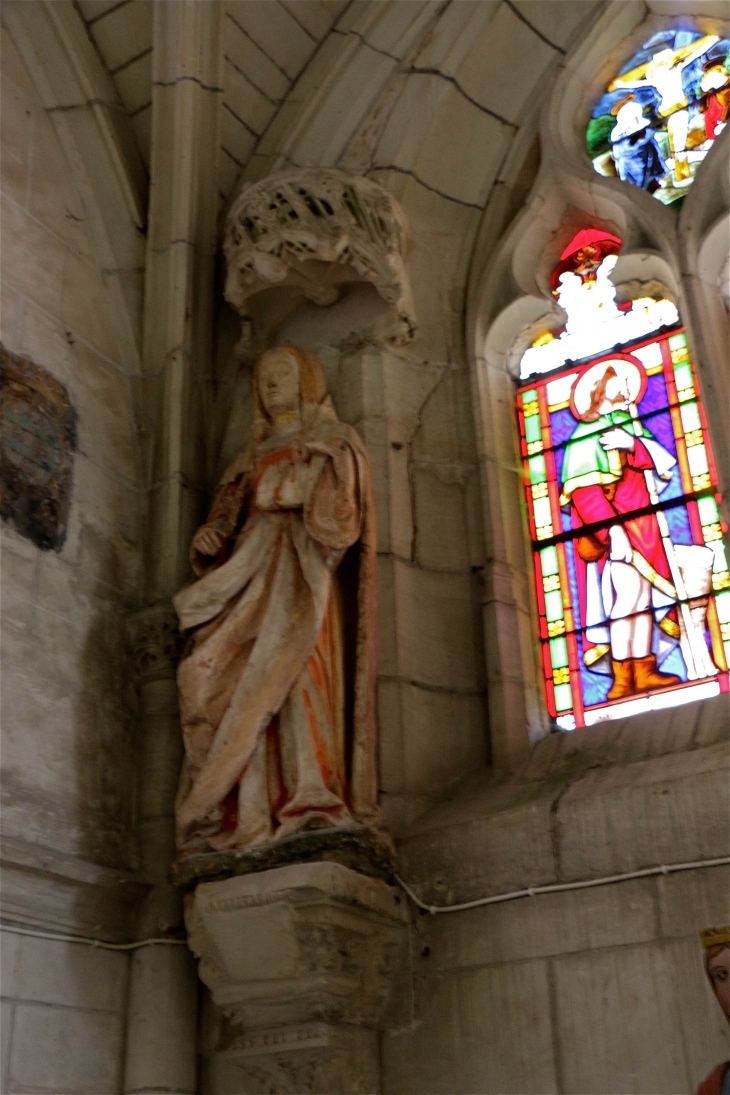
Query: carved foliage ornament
[
  {"x": 155, "y": 642},
  {"x": 37, "y": 441},
  {"x": 329, "y": 933},
  {"x": 311, "y": 1058},
  {"x": 281, "y": 229}
]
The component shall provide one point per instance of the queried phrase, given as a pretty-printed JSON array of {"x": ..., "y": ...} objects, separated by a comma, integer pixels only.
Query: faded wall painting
[{"x": 37, "y": 441}]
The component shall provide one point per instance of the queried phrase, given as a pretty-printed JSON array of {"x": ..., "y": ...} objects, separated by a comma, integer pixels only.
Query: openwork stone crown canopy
[{"x": 277, "y": 226}]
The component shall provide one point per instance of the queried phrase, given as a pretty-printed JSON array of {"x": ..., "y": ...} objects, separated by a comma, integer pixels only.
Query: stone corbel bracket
[
  {"x": 315, "y": 229},
  {"x": 301, "y": 960},
  {"x": 326, "y": 932}
]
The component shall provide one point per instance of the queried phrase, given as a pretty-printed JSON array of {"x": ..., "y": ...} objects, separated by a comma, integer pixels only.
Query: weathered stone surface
[
  {"x": 81, "y": 1050},
  {"x": 67, "y": 761},
  {"x": 437, "y": 646},
  {"x": 540, "y": 926},
  {"x": 692, "y": 900},
  {"x": 581, "y": 821},
  {"x": 6, "y": 1028},
  {"x": 713, "y": 721},
  {"x": 615, "y": 954},
  {"x": 627, "y": 740},
  {"x": 316, "y": 1058},
  {"x": 444, "y": 739},
  {"x": 441, "y": 522},
  {"x": 493, "y": 841},
  {"x": 62, "y": 1016},
  {"x": 666, "y": 810},
  {"x": 65, "y": 893},
  {"x": 52, "y": 972},
  {"x": 68, "y": 701},
  {"x": 455, "y": 1043},
  {"x": 628, "y": 994},
  {"x": 358, "y": 848}
]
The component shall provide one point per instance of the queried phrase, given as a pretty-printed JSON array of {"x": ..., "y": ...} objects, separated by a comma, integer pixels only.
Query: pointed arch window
[{"x": 631, "y": 573}]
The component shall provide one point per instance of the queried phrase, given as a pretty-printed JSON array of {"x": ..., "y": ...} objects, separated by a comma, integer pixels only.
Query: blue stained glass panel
[{"x": 662, "y": 112}]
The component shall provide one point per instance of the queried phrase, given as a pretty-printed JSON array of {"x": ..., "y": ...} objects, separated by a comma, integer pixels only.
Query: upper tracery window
[
  {"x": 658, "y": 118},
  {"x": 631, "y": 572}
]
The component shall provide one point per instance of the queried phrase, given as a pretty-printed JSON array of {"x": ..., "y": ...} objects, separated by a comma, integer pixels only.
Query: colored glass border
[{"x": 693, "y": 503}]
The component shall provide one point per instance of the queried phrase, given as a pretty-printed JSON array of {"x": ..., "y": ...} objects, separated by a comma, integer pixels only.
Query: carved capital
[
  {"x": 314, "y": 229},
  {"x": 300, "y": 959},
  {"x": 329, "y": 932},
  {"x": 155, "y": 642}
]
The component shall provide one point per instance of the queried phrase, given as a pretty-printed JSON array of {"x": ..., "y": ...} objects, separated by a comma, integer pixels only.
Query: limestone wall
[
  {"x": 68, "y": 699},
  {"x": 596, "y": 990},
  {"x": 62, "y": 1016}
]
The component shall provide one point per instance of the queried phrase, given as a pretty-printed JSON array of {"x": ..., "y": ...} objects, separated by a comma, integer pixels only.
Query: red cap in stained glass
[{"x": 585, "y": 253}]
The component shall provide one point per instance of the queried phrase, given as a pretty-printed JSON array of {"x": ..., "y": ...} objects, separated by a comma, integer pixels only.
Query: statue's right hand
[{"x": 208, "y": 541}]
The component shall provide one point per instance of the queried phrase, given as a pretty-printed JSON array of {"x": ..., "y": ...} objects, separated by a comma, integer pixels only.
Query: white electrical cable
[
  {"x": 532, "y": 891},
  {"x": 94, "y": 942}
]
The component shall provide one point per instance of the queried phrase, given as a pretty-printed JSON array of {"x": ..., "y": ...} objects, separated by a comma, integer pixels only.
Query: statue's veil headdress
[{"x": 314, "y": 399}]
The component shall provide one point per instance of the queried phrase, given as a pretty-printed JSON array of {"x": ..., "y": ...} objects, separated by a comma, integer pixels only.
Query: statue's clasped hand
[
  {"x": 208, "y": 541},
  {"x": 317, "y": 448},
  {"x": 617, "y": 439}
]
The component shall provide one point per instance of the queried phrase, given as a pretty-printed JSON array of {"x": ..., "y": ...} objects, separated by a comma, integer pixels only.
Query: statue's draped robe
[{"x": 262, "y": 686}]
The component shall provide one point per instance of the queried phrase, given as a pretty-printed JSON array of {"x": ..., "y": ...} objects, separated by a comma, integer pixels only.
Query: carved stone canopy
[{"x": 315, "y": 229}]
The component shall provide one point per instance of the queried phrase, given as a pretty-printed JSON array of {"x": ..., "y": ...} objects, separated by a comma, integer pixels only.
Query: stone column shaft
[
  {"x": 162, "y": 1010},
  {"x": 161, "y": 1049}
]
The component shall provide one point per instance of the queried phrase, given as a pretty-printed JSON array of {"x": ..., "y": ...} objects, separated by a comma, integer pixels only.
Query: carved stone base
[
  {"x": 316, "y": 1057},
  {"x": 300, "y": 960}
]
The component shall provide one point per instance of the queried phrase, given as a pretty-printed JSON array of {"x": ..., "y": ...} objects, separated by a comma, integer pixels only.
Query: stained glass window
[
  {"x": 631, "y": 571},
  {"x": 659, "y": 116}
]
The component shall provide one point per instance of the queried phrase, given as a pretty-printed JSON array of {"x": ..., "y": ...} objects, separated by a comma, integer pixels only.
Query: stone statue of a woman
[{"x": 277, "y": 681}]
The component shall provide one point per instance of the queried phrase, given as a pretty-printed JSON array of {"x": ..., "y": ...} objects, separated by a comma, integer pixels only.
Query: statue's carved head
[{"x": 288, "y": 381}]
